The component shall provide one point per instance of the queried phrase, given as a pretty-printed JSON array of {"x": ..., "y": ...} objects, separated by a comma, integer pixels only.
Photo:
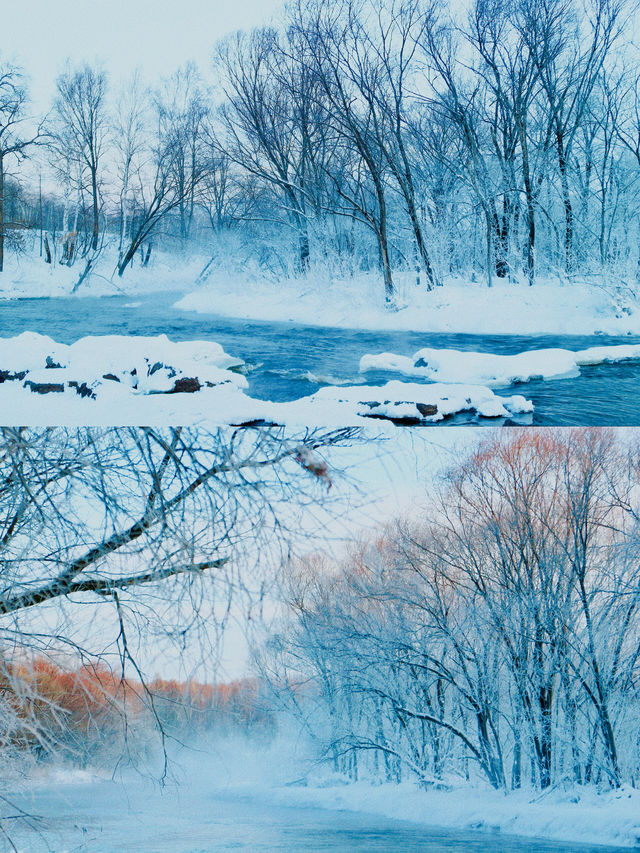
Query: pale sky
[{"x": 156, "y": 36}]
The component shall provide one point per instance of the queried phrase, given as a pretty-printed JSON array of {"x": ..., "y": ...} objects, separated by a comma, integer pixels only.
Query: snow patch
[
  {"x": 572, "y": 814},
  {"x": 451, "y": 365},
  {"x": 550, "y": 307}
]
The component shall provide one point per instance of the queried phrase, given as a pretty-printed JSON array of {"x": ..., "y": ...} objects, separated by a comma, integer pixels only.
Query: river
[{"x": 290, "y": 361}]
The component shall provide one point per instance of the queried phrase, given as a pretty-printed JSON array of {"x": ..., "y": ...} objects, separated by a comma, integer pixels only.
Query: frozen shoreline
[
  {"x": 492, "y": 370},
  {"x": 575, "y": 814},
  {"x": 322, "y": 299},
  {"x": 261, "y": 783},
  {"x": 125, "y": 380},
  {"x": 457, "y": 307},
  {"x": 120, "y": 380}
]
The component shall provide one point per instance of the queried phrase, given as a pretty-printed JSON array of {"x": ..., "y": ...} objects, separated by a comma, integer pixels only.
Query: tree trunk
[
  {"x": 569, "y": 260},
  {"x": 502, "y": 240},
  {"x": 389, "y": 291},
  {"x": 128, "y": 256},
  {"x": 423, "y": 254},
  {"x": 1, "y": 212},
  {"x": 96, "y": 223},
  {"x": 383, "y": 245},
  {"x": 489, "y": 247}
]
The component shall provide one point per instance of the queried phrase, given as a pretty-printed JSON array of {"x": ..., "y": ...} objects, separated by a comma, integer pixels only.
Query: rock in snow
[
  {"x": 144, "y": 365},
  {"x": 122, "y": 380}
]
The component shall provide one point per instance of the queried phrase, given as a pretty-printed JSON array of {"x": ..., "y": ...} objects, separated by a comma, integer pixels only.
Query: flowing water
[
  {"x": 290, "y": 361},
  {"x": 107, "y": 817}
]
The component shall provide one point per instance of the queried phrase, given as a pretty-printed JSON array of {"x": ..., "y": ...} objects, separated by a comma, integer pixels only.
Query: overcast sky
[{"x": 155, "y": 35}]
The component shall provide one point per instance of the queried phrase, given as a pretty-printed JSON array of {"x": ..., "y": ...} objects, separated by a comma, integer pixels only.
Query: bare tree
[
  {"x": 80, "y": 112},
  {"x": 151, "y": 525},
  {"x": 13, "y": 142},
  {"x": 131, "y": 123},
  {"x": 183, "y": 110},
  {"x": 501, "y": 627}
]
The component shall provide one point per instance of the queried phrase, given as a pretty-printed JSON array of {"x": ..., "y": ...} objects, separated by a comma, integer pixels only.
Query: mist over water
[{"x": 231, "y": 793}]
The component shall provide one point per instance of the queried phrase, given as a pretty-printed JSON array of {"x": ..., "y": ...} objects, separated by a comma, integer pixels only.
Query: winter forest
[
  {"x": 319, "y": 410},
  {"x": 472, "y": 657},
  {"x": 495, "y": 633},
  {"x": 498, "y": 142}
]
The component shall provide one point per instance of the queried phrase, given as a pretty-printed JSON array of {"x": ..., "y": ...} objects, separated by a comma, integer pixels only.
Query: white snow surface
[
  {"x": 452, "y": 365},
  {"x": 240, "y": 289},
  {"x": 126, "y": 381},
  {"x": 574, "y": 813},
  {"x": 257, "y": 785},
  {"x": 460, "y": 306}
]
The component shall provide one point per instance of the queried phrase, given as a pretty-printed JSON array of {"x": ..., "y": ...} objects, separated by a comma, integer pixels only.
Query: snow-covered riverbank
[
  {"x": 320, "y": 298},
  {"x": 240, "y": 795},
  {"x": 574, "y": 814},
  {"x": 458, "y": 306},
  {"x": 120, "y": 380}
]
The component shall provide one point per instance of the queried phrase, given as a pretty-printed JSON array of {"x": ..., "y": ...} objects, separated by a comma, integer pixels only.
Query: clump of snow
[
  {"x": 412, "y": 401},
  {"x": 42, "y": 381},
  {"x": 451, "y": 365}
]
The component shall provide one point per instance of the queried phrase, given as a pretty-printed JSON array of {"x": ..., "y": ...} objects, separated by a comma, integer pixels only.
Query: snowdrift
[{"x": 451, "y": 365}]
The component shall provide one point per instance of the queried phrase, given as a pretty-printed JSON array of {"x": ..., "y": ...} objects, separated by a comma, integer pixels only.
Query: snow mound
[
  {"x": 451, "y": 365},
  {"x": 410, "y": 403},
  {"x": 118, "y": 380},
  {"x": 141, "y": 365}
]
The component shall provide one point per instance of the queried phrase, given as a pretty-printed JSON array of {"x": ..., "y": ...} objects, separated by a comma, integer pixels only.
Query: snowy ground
[
  {"x": 450, "y": 365},
  {"x": 27, "y": 276},
  {"x": 123, "y": 380},
  {"x": 573, "y": 814},
  {"x": 238, "y": 795},
  {"x": 127, "y": 380},
  {"x": 459, "y": 306},
  {"x": 554, "y": 307}
]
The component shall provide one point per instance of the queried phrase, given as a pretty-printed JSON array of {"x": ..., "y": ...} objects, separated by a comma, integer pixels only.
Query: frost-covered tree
[
  {"x": 80, "y": 128},
  {"x": 497, "y": 633},
  {"x": 13, "y": 141}
]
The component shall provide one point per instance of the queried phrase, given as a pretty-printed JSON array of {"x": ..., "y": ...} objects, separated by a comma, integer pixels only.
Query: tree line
[
  {"x": 494, "y": 635},
  {"x": 501, "y": 142}
]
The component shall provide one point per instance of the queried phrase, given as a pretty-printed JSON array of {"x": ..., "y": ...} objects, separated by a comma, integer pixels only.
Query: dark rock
[
  {"x": 427, "y": 409},
  {"x": 50, "y": 363},
  {"x": 258, "y": 422},
  {"x": 400, "y": 421},
  {"x": 424, "y": 410},
  {"x": 8, "y": 376},
  {"x": 186, "y": 385},
  {"x": 45, "y": 387},
  {"x": 110, "y": 376},
  {"x": 156, "y": 367},
  {"x": 82, "y": 389},
  {"x": 421, "y": 363}
]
